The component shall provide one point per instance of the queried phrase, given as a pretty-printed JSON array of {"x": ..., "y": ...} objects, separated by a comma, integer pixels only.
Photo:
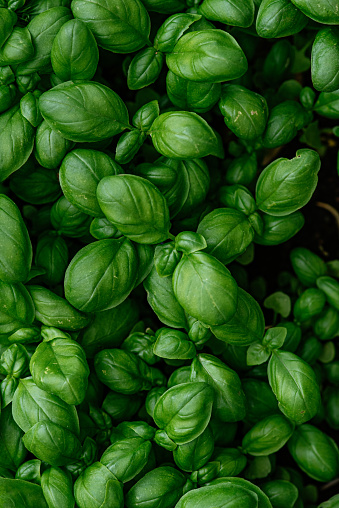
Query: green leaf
[
  {"x": 274, "y": 337},
  {"x": 145, "y": 116},
  {"x": 145, "y": 68},
  {"x": 108, "y": 328},
  {"x": 283, "y": 124},
  {"x": 136, "y": 207},
  {"x": 295, "y": 386},
  {"x": 239, "y": 13},
  {"x": 195, "y": 96},
  {"x": 205, "y": 288},
  {"x": 279, "y": 18},
  {"x": 12, "y": 450},
  {"x": 126, "y": 457},
  {"x": 161, "y": 298},
  {"x": 119, "y": 26},
  {"x": 16, "y": 248},
  {"x": 163, "y": 486},
  {"x": 227, "y": 232},
  {"x": 84, "y": 111},
  {"x": 12, "y": 492},
  {"x": 331, "y": 289},
  {"x": 57, "y": 488},
  {"x": 246, "y": 326},
  {"x": 173, "y": 345},
  {"x": 267, "y": 436},
  {"x": 279, "y": 229},
  {"x": 193, "y": 455},
  {"x": 257, "y": 354},
  {"x": 111, "y": 268},
  {"x": 229, "y": 399},
  {"x": 129, "y": 145},
  {"x": 74, "y": 52},
  {"x": 287, "y": 185},
  {"x": 122, "y": 371},
  {"x": 307, "y": 265},
  {"x": 166, "y": 258},
  {"x": 43, "y": 29},
  {"x": 206, "y": 55},
  {"x": 279, "y": 302},
  {"x": 184, "y": 135},
  {"x": 188, "y": 242},
  {"x": 80, "y": 172},
  {"x": 309, "y": 446},
  {"x": 324, "y": 11},
  {"x": 184, "y": 411},
  {"x": 59, "y": 366},
  {"x": 16, "y": 141},
  {"x": 18, "y": 47},
  {"x": 172, "y": 29},
  {"x": 8, "y": 19},
  {"x": 218, "y": 496},
  {"x": 52, "y": 310},
  {"x": 245, "y": 112}
]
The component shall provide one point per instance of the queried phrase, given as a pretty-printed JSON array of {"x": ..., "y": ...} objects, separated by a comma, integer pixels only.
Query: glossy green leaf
[
  {"x": 227, "y": 232},
  {"x": 52, "y": 310},
  {"x": 229, "y": 400},
  {"x": 84, "y": 111},
  {"x": 74, "y": 52},
  {"x": 212, "y": 56},
  {"x": 309, "y": 446},
  {"x": 161, "y": 298},
  {"x": 184, "y": 411},
  {"x": 111, "y": 266},
  {"x": 144, "y": 69},
  {"x": 246, "y": 326},
  {"x": 16, "y": 248},
  {"x": 279, "y": 18},
  {"x": 60, "y": 367},
  {"x": 245, "y": 112},
  {"x": 43, "y": 29},
  {"x": 205, "y": 288},
  {"x": 57, "y": 488},
  {"x": 80, "y": 172},
  {"x": 16, "y": 141},
  {"x": 324, "y": 11},
  {"x": 295, "y": 386},
  {"x": 118, "y": 25},
  {"x": 185, "y": 135},
  {"x": 287, "y": 185},
  {"x": 135, "y": 207},
  {"x": 229, "y": 12}
]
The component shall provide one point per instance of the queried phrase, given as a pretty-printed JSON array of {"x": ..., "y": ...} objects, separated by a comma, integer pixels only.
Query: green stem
[{"x": 171, "y": 237}]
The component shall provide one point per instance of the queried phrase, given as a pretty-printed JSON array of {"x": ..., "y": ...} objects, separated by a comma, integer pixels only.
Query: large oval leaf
[
  {"x": 246, "y": 326},
  {"x": 184, "y": 411},
  {"x": 120, "y": 26},
  {"x": 136, "y": 207},
  {"x": 80, "y": 172},
  {"x": 16, "y": 248},
  {"x": 207, "y": 55},
  {"x": 295, "y": 386},
  {"x": 16, "y": 141},
  {"x": 85, "y": 111},
  {"x": 43, "y": 29},
  {"x": 75, "y": 52},
  {"x": 184, "y": 135},
  {"x": 111, "y": 269},
  {"x": 59, "y": 366},
  {"x": 229, "y": 401},
  {"x": 161, "y": 298},
  {"x": 287, "y": 185},
  {"x": 205, "y": 288}
]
